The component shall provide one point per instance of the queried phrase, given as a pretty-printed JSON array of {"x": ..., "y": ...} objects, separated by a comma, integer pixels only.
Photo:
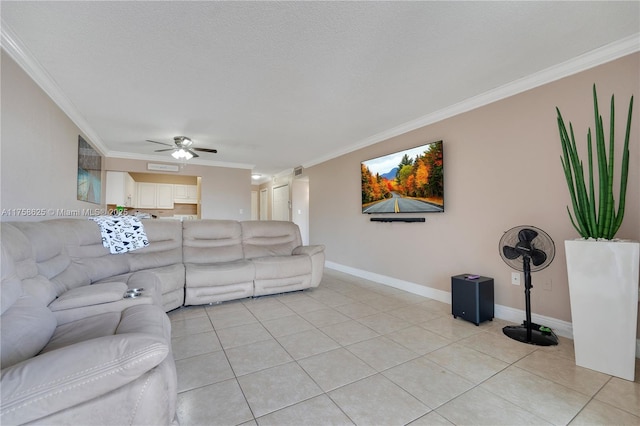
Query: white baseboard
[
  {"x": 431, "y": 293},
  {"x": 560, "y": 327}
]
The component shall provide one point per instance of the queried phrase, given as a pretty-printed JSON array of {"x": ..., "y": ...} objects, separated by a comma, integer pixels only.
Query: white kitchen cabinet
[
  {"x": 146, "y": 195},
  {"x": 164, "y": 197},
  {"x": 185, "y": 194},
  {"x": 155, "y": 195},
  {"x": 121, "y": 189}
]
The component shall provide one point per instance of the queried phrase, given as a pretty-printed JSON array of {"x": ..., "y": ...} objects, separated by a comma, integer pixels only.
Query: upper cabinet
[
  {"x": 185, "y": 194},
  {"x": 121, "y": 189},
  {"x": 165, "y": 196},
  {"x": 155, "y": 195}
]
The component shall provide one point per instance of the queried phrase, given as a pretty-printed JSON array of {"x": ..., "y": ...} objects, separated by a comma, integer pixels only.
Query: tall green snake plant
[{"x": 595, "y": 218}]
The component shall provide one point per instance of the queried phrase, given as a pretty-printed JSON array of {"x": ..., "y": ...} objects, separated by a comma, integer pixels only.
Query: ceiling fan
[{"x": 183, "y": 149}]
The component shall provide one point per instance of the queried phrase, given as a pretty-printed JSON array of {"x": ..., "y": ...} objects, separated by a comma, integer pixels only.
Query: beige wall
[
  {"x": 39, "y": 159},
  {"x": 173, "y": 178},
  {"x": 39, "y": 149},
  {"x": 502, "y": 169}
]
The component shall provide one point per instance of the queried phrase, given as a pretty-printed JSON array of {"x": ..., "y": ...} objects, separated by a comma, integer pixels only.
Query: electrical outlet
[
  {"x": 515, "y": 278},
  {"x": 546, "y": 285}
]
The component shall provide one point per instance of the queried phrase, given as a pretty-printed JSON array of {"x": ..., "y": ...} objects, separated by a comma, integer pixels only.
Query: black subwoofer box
[{"x": 472, "y": 298}]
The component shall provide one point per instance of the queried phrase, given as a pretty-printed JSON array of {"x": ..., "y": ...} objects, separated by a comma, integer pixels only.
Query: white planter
[{"x": 603, "y": 286}]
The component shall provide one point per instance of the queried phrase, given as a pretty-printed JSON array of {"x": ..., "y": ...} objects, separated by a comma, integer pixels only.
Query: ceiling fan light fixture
[{"x": 181, "y": 154}]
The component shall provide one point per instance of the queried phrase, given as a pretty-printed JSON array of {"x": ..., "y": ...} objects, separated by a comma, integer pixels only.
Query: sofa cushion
[
  {"x": 26, "y": 324},
  {"x": 91, "y": 261},
  {"x": 19, "y": 248},
  {"x": 164, "y": 249},
  {"x": 269, "y": 238},
  {"x": 26, "y": 328},
  {"x": 211, "y": 241},
  {"x": 85, "y": 329},
  {"x": 282, "y": 266},
  {"x": 11, "y": 288},
  {"x": 224, "y": 273}
]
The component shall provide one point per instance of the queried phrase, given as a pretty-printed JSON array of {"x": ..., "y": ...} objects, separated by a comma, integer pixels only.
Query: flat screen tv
[{"x": 408, "y": 181}]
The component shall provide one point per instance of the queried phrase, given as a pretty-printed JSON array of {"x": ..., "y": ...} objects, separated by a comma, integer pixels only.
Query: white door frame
[{"x": 264, "y": 203}]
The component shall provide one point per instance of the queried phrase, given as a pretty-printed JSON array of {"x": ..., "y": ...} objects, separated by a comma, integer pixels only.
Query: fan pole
[{"x": 526, "y": 263}]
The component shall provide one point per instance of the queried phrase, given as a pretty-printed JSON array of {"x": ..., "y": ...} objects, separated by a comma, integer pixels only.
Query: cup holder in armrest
[{"x": 132, "y": 295}]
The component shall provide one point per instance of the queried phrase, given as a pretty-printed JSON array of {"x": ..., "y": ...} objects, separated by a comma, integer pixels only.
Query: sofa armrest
[
  {"x": 150, "y": 282},
  {"x": 88, "y": 295},
  {"x": 309, "y": 250},
  {"x": 69, "y": 376},
  {"x": 95, "y": 299},
  {"x": 316, "y": 253}
]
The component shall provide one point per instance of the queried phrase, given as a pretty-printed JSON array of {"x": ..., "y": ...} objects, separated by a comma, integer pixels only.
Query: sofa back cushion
[
  {"x": 211, "y": 241},
  {"x": 164, "y": 249},
  {"x": 20, "y": 249},
  {"x": 269, "y": 238},
  {"x": 90, "y": 260},
  {"x": 26, "y": 325}
]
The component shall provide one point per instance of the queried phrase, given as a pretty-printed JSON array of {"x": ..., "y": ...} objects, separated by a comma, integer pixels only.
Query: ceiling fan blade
[
  {"x": 527, "y": 234},
  {"x": 192, "y": 153},
  {"x": 161, "y": 143},
  {"x": 538, "y": 257},
  {"x": 163, "y": 150},
  {"x": 213, "y": 151},
  {"x": 510, "y": 252}
]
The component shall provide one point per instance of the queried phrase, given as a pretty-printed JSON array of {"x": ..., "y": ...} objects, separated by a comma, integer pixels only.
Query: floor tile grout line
[
  {"x": 382, "y": 310},
  {"x": 301, "y": 367},
  {"x": 235, "y": 376}
]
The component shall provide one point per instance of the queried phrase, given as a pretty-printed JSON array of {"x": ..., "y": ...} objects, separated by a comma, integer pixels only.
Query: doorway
[{"x": 281, "y": 203}]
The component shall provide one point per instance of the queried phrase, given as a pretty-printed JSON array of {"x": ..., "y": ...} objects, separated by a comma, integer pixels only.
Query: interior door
[
  {"x": 281, "y": 203},
  {"x": 264, "y": 213}
]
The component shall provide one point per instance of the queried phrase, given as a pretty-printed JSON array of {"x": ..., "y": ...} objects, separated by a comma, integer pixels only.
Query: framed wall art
[{"x": 89, "y": 173}]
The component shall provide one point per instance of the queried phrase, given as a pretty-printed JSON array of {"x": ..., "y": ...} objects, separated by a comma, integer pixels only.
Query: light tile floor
[{"x": 355, "y": 352}]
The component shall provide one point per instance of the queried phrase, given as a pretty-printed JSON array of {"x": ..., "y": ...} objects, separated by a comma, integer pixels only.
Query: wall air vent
[{"x": 297, "y": 172}]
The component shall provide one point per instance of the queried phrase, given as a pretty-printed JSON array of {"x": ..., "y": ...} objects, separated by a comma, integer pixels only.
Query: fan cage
[{"x": 541, "y": 242}]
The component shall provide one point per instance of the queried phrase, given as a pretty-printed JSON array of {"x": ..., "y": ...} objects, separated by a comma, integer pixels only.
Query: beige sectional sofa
[
  {"x": 76, "y": 351},
  {"x": 228, "y": 260}
]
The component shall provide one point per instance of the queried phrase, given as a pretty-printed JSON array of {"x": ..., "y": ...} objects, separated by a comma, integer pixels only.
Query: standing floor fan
[{"x": 528, "y": 249}]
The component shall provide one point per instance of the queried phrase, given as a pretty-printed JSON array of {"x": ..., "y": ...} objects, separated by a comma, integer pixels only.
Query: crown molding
[
  {"x": 19, "y": 53},
  {"x": 599, "y": 56}
]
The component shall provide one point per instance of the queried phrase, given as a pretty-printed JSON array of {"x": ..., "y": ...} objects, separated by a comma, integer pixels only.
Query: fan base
[{"x": 540, "y": 338}]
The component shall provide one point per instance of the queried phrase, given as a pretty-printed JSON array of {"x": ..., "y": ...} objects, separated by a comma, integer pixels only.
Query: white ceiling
[{"x": 274, "y": 85}]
